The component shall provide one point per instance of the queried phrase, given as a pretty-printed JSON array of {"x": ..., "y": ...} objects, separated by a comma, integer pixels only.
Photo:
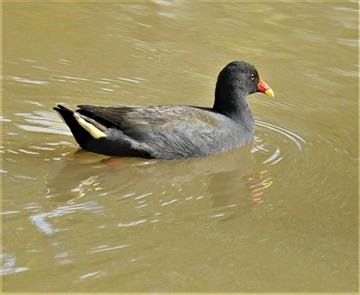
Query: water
[{"x": 280, "y": 214}]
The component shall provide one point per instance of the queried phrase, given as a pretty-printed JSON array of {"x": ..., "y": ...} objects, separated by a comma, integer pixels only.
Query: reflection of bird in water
[
  {"x": 233, "y": 178},
  {"x": 258, "y": 183},
  {"x": 80, "y": 174},
  {"x": 249, "y": 187}
]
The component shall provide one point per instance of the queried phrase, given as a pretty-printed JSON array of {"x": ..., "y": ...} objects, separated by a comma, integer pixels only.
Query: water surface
[{"x": 280, "y": 214}]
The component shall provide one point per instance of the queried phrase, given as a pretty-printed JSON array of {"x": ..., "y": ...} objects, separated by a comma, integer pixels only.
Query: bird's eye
[{"x": 252, "y": 77}]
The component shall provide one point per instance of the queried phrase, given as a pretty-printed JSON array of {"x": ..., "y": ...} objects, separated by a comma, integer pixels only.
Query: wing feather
[{"x": 145, "y": 121}]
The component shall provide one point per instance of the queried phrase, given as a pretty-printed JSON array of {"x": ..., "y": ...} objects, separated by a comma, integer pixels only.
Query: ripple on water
[
  {"x": 295, "y": 138},
  {"x": 95, "y": 274},
  {"x": 133, "y": 223},
  {"x": 43, "y": 122},
  {"x": 42, "y": 220},
  {"x": 274, "y": 152},
  {"x": 3, "y": 119},
  {"x": 9, "y": 264},
  {"x": 105, "y": 248},
  {"x": 27, "y": 81}
]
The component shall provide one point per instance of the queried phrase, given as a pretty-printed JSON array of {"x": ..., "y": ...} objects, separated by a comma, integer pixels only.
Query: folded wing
[{"x": 172, "y": 131}]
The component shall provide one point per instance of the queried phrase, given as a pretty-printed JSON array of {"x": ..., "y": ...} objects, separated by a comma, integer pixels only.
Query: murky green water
[{"x": 278, "y": 215}]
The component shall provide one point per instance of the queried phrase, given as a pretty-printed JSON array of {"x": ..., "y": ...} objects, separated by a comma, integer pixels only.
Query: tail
[{"x": 82, "y": 130}]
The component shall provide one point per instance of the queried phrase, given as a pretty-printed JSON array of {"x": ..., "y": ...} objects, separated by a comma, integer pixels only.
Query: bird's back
[{"x": 168, "y": 132}]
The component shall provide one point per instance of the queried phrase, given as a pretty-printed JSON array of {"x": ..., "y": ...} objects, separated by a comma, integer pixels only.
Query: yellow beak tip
[{"x": 270, "y": 92}]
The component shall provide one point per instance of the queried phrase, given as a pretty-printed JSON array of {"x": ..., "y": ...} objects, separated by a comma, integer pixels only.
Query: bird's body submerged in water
[{"x": 172, "y": 132}]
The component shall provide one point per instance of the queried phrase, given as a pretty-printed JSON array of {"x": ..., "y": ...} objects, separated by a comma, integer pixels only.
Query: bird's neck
[{"x": 234, "y": 105}]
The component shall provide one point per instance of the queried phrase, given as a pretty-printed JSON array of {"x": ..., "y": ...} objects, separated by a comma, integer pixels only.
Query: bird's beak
[{"x": 264, "y": 88}]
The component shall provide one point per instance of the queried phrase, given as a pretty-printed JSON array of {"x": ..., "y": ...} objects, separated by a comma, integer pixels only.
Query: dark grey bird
[{"x": 172, "y": 131}]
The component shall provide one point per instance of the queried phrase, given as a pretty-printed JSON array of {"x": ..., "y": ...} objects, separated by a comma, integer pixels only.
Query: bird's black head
[
  {"x": 237, "y": 80},
  {"x": 243, "y": 77}
]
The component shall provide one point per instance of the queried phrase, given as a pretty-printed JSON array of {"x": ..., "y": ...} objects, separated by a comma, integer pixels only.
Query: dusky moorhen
[{"x": 172, "y": 131}]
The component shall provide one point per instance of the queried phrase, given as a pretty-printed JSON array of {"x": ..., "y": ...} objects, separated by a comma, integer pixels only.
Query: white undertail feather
[{"x": 94, "y": 132}]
